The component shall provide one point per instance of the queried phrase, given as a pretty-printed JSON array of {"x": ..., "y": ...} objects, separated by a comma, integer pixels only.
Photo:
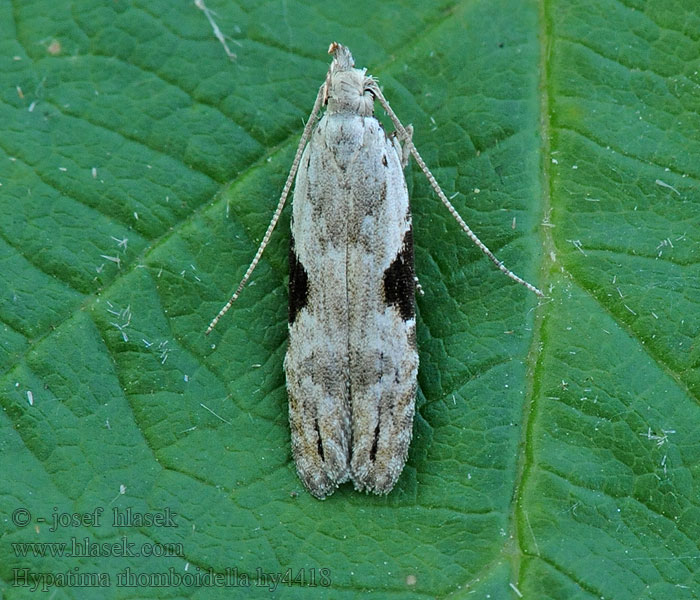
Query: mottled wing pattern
[
  {"x": 351, "y": 362},
  {"x": 317, "y": 361},
  {"x": 381, "y": 290}
]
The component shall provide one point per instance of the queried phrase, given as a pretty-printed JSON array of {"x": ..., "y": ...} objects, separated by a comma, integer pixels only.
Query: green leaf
[{"x": 555, "y": 450}]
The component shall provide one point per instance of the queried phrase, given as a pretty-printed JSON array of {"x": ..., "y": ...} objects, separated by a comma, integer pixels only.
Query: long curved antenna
[
  {"x": 406, "y": 139},
  {"x": 280, "y": 205}
]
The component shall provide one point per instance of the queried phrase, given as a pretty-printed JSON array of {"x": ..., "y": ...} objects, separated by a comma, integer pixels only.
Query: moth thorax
[{"x": 348, "y": 93}]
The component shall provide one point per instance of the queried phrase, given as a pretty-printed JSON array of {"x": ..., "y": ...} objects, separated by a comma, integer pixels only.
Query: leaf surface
[{"x": 555, "y": 450}]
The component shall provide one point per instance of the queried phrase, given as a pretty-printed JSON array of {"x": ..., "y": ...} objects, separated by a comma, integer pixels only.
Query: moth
[{"x": 351, "y": 364}]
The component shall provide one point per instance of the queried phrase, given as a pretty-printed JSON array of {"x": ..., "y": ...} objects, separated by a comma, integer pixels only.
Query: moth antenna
[
  {"x": 406, "y": 139},
  {"x": 280, "y": 205}
]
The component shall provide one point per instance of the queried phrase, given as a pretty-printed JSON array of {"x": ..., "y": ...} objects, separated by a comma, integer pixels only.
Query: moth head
[{"x": 347, "y": 88}]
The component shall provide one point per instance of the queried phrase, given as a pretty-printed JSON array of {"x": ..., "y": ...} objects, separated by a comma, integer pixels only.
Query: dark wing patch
[
  {"x": 298, "y": 284},
  {"x": 399, "y": 281}
]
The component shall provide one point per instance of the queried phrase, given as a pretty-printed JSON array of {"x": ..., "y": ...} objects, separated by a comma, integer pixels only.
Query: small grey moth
[{"x": 351, "y": 364}]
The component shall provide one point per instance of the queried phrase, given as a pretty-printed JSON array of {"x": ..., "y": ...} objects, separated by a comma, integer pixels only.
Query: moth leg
[
  {"x": 406, "y": 148},
  {"x": 402, "y": 148},
  {"x": 419, "y": 287}
]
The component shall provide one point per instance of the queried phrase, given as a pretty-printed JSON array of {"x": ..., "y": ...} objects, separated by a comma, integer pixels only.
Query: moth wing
[
  {"x": 381, "y": 310},
  {"x": 316, "y": 363}
]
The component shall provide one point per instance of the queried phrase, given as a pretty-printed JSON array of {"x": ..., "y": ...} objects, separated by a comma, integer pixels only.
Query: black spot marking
[
  {"x": 384, "y": 161},
  {"x": 399, "y": 281},
  {"x": 375, "y": 443},
  {"x": 298, "y": 284},
  {"x": 319, "y": 443}
]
